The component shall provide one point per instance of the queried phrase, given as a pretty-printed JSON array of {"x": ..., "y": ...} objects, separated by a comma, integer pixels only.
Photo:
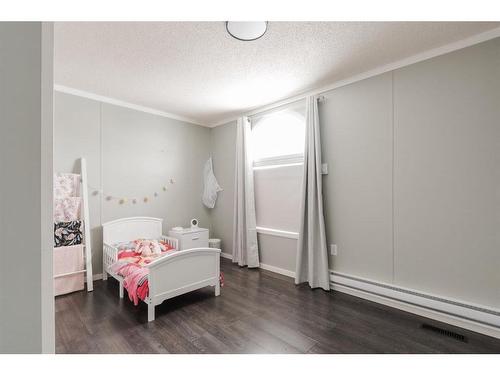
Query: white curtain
[
  {"x": 312, "y": 255},
  {"x": 245, "y": 248}
]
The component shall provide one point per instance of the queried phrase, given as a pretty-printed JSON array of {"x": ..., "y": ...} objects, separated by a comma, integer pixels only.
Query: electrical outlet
[{"x": 333, "y": 249}]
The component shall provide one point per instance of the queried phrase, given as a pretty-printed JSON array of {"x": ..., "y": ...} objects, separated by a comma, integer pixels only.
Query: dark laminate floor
[{"x": 258, "y": 312}]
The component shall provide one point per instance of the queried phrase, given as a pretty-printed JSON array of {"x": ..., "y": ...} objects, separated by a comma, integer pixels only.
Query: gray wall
[
  {"x": 223, "y": 142},
  {"x": 411, "y": 197},
  {"x": 356, "y": 126},
  {"x": 25, "y": 164},
  {"x": 447, "y": 175},
  {"x": 132, "y": 154}
]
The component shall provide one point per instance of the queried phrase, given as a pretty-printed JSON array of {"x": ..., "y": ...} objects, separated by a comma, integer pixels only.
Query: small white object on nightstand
[
  {"x": 190, "y": 238},
  {"x": 194, "y": 223}
]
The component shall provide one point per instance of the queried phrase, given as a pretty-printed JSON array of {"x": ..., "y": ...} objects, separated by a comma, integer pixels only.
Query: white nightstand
[{"x": 190, "y": 237}]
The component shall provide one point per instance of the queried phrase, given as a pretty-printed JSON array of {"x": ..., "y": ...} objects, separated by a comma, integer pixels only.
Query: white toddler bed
[{"x": 169, "y": 276}]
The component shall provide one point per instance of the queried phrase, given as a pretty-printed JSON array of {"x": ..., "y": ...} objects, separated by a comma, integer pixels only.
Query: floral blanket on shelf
[
  {"x": 68, "y": 233},
  {"x": 132, "y": 257}
]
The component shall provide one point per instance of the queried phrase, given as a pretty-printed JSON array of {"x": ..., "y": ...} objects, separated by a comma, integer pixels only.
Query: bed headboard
[{"x": 131, "y": 228}]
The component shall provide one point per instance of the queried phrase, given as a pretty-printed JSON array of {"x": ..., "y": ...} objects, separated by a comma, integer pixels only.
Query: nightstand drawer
[{"x": 192, "y": 240}]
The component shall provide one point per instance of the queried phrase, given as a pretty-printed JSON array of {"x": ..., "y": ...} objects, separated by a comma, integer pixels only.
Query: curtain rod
[
  {"x": 320, "y": 99},
  {"x": 276, "y": 108}
]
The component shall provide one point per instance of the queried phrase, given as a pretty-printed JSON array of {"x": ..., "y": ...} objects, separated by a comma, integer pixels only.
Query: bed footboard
[{"x": 182, "y": 272}]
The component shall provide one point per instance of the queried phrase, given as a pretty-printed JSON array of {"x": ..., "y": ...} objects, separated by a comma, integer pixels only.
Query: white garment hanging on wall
[
  {"x": 312, "y": 255},
  {"x": 211, "y": 185},
  {"x": 245, "y": 247}
]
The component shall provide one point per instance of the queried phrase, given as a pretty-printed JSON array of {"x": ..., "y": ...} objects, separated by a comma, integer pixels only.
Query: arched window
[
  {"x": 278, "y": 154},
  {"x": 278, "y": 137}
]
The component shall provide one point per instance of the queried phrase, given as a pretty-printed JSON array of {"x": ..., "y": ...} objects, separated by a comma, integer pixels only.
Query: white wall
[
  {"x": 132, "y": 154},
  {"x": 26, "y": 311},
  {"x": 411, "y": 197}
]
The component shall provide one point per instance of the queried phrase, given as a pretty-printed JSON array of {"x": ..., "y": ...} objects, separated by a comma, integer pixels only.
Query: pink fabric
[
  {"x": 67, "y": 209},
  {"x": 130, "y": 267},
  {"x": 66, "y": 185},
  {"x": 127, "y": 252},
  {"x": 143, "y": 291},
  {"x": 135, "y": 280},
  {"x": 68, "y": 259}
]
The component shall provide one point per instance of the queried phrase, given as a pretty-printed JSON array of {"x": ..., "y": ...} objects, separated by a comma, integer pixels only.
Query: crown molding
[
  {"x": 121, "y": 103},
  {"x": 426, "y": 55},
  {"x": 447, "y": 48}
]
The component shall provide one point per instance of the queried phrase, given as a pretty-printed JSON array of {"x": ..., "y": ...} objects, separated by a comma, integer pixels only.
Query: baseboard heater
[{"x": 477, "y": 318}]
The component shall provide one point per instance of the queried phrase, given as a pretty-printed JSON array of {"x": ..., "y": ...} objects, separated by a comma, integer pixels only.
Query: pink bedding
[
  {"x": 68, "y": 259},
  {"x": 130, "y": 266}
]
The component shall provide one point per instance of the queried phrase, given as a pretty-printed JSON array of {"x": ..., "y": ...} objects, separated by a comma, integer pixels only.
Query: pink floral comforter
[{"x": 130, "y": 266}]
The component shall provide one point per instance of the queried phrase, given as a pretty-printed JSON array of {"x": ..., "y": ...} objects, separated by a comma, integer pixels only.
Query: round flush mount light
[{"x": 246, "y": 30}]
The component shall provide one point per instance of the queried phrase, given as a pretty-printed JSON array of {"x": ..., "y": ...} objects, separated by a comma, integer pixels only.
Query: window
[
  {"x": 278, "y": 154},
  {"x": 278, "y": 138}
]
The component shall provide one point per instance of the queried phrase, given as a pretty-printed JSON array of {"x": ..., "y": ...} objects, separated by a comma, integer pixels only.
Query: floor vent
[{"x": 445, "y": 332}]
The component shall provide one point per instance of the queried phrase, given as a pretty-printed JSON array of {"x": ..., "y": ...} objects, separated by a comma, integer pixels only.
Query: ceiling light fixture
[{"x": 246, "y": 31}]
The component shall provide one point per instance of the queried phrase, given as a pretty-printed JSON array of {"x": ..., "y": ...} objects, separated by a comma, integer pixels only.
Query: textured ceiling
[{"x": 196, "y": 70}]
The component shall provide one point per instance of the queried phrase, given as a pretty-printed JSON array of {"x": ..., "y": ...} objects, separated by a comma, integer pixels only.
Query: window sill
[
  {"x": 279, "y": 161},
  {"x": 278, "y": 233}
]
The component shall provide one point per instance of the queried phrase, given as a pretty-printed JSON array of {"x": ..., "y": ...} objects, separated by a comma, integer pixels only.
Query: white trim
[
  {"x": 86, "y": 223},
  {"x": 278, "y": 233},
  {"x": 274, "y": 166},
  {"x": 443, "y": 314},
  {"x": 279, "y": 161},
  {"x": 418, "y": 309},
  {"x": 95, "y": 277},
  {"x": 467, "y": 42},
  {"x": 226, "y": 255},
  {"x": 121, "y": 103},
  {"x": 70, "y": 274},
  {"x": 485, "y": 320},
  {"x": 274, "y": 269},
  {"x": 267, "y": 267}
]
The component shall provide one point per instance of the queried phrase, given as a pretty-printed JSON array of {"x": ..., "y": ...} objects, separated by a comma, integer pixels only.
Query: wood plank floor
[{"x": 258, "y": 312}]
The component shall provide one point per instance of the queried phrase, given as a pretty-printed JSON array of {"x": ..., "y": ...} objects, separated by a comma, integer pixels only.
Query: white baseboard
[
  {"x": 281, "y": 271},
  {"x": 96, "y": 276},
  {"x": 226, "y": 255},
  {"x": 481, "y": 319},
  {"x": 267, "y": 267},
  {"x": 476, "y": 318}
]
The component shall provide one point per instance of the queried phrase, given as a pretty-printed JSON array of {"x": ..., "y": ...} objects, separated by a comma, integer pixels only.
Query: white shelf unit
[
  {"x": 86, "y": 243},
  {"x": 86, "y": 224}
]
